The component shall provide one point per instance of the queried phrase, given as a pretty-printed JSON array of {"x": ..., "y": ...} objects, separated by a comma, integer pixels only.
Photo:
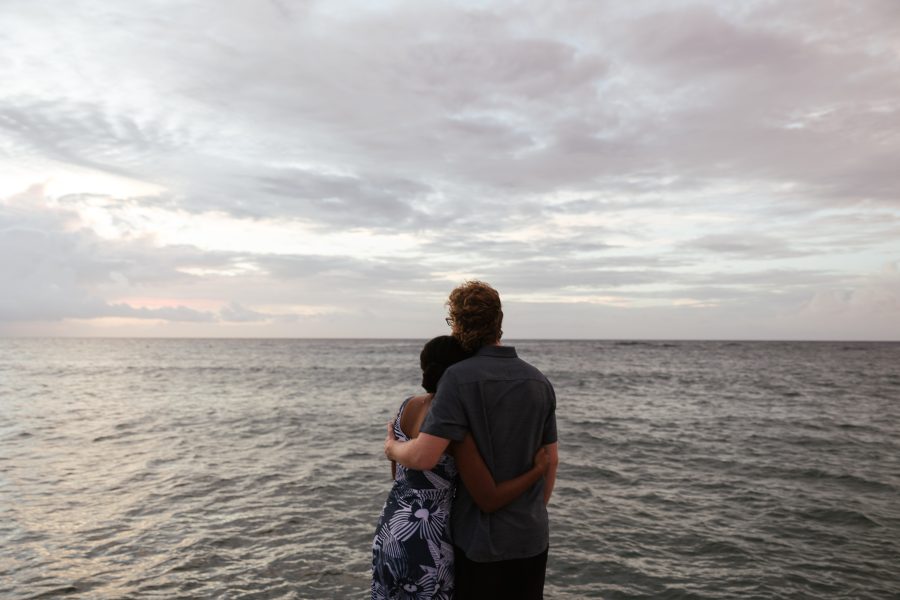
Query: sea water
[{"x": 155, "y": 468}]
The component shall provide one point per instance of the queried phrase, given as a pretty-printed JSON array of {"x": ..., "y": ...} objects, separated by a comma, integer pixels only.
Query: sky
[{"x": 617, "y": 170}]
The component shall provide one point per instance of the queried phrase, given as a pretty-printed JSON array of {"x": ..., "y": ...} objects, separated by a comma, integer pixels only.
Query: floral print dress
[{"x": 412, "y": 555}]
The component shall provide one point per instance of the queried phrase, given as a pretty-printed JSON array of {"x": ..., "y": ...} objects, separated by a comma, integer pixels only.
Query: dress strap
[{"x": 402, "y": 406}]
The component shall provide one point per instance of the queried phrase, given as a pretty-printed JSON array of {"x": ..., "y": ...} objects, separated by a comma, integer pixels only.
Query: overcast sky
[{"x": 333, "y": 169}]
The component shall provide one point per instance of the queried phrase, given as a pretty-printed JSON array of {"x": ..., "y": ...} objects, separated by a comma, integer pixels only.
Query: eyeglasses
[{"x": 449, "y": 321}]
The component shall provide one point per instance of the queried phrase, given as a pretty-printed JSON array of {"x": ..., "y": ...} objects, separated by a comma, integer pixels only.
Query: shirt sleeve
[
  {"x": 549, "y": 435},
  {"x": 446, "y": 417}
]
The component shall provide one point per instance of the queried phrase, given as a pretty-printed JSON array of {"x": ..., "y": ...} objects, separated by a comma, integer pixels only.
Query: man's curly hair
[{"x": 476, "y": 315}]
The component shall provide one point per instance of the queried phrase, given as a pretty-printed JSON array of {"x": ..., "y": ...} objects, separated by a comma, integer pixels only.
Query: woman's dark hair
[{"x": 438, "y": 354}]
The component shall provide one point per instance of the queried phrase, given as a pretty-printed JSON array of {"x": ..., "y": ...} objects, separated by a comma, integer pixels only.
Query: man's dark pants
[{"x": 519, "y": 579}]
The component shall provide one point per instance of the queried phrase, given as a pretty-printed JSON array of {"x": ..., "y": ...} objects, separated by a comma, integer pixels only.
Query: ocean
[{"x": 164, "y": 468}]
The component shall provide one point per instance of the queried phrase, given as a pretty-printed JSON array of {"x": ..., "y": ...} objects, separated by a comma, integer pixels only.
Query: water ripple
[{"x": 252, "y": 469}]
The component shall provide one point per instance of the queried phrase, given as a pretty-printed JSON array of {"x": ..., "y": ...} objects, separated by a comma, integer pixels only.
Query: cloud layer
[{"x": 659, "y": 169}]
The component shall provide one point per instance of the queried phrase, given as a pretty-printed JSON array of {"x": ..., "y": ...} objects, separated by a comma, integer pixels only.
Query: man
[{"x": 510, "y": 409}]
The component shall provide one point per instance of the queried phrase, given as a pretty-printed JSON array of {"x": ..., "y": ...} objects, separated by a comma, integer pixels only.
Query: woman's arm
[
  {"x": 550, "y": 476},
  {"x": 489, "y": 495}
]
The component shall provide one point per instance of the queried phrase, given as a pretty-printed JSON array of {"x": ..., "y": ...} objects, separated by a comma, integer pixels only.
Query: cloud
[
  {"x": 771, "y": 99},
  {"x": 235, "y": 312},
  {"x": 736, "y": 155},
  {"x": 876, "y": 295},
  {"x": 50, "y": 268},
  {"x": 383, "y": 109},
  {"x": 54, "y": 268},
  {"x": 743, "y": 244},
  {"x": 344, "y": 200}
]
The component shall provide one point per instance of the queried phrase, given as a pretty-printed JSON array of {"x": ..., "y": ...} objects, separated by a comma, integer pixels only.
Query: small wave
[
  {"x": 853, "y": 481},
  {"x": 674, "y": 593},
  {"x": 852, "y": 426},
  {"x": 201, "y": 559},
  {"x": 716, "y": 548},
  {"x": 660, "y": 500},
  {"x": 55, "y": 593},
  {"x": 840, "y": 516},
  {"x": 593, "y": 472},
  {"x": 809, "y": 425},
  {"x": 810, "y": 442},
  {"x": 645, "y": 344}
]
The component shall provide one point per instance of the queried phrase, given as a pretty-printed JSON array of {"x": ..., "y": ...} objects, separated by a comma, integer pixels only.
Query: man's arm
[
  {"x": 420, "y": 453},
  {"x": 550, "y": 476}
]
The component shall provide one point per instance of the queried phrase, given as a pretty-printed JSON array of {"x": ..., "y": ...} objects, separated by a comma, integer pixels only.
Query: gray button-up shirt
[{"x": 510, "y": 409}]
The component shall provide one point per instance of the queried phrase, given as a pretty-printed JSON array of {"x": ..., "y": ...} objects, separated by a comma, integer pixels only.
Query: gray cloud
[
  {"x": 662, "y": 150},
  {"x": 743, "y": 244},
  {"x": 235, "y": 312},
  {"x": 345, "y": 200},
  {"x": 754, "y": 100},
  {"x": 875, "y": 295},
  {"x": 53, "y": 268},
  {"x": 400, "y": 105},
  {"x": 51, "y": 271}
]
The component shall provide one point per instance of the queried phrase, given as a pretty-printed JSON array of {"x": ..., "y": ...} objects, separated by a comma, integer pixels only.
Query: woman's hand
[{"x": 542, "y": 460}]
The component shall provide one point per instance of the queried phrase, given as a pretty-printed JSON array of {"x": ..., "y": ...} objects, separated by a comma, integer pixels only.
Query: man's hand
[
  {"x": 390, "y": 440},
  {"x": 420, "y": 453}
]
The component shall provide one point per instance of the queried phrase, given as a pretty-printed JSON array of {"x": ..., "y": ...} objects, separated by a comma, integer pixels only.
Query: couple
[{"x": 488, "y": 417}]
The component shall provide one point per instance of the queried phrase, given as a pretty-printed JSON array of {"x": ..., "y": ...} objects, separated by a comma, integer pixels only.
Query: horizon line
[{"x": 520, "y": 339}]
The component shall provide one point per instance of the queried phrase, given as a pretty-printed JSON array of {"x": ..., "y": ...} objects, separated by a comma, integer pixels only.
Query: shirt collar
[{"x": 497, "y": 351}]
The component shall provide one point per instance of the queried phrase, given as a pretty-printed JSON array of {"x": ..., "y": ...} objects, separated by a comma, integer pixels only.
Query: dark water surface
[{"x": 253, "y": 468}]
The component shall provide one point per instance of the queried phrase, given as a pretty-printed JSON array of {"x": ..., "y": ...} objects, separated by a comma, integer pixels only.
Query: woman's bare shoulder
[{"x": 414, "y": 414}]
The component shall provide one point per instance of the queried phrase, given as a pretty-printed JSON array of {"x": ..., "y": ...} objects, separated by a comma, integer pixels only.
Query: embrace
[{"x": 489, "y": 419}]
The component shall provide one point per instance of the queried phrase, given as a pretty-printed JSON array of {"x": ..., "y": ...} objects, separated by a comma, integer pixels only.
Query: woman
[{"x": 412, "y": 552}]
